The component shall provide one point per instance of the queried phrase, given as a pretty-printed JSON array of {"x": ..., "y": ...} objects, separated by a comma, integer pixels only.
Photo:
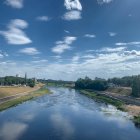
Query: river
[{"x": 66, "y": 115}]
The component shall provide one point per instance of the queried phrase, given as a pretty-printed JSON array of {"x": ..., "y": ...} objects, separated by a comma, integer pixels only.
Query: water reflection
[
  {"x": 12, "y": 130},
  {"x": 66, "y": 115},
  {"x": 62, "y": 125}
]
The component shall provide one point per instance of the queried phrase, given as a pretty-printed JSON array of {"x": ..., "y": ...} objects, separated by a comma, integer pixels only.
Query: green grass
[
  {"x": 117, "y": 103},
  {"x": 22, "y": 99},
  {"x": 137, "y": 120}
]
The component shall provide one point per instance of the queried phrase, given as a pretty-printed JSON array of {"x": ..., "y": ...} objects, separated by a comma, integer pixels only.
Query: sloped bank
[
  {"x": 119, "y": 104},
  {"x": 42, "y": 91}
]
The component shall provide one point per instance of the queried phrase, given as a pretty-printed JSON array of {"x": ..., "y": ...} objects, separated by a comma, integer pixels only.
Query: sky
[{"x": 69, "y": 39}]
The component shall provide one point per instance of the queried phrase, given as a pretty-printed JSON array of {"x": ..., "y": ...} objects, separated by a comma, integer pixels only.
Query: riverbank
[
  {"x": 20, "y": 99},
  {"x": 120, "y": 104},
  {"x": 7, "y": 91}
]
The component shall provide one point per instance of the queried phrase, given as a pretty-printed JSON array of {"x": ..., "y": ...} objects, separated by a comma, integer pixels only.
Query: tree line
[
  {"x": 102, "y": 84},
  {"x": 87, "y": 83},
  {"x": 11, "y": 81}
]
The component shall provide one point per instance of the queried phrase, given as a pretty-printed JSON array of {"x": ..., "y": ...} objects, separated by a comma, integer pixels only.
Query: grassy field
[
  {"x": 9, "y": 91},
  {"x": 22, "y": 99}
]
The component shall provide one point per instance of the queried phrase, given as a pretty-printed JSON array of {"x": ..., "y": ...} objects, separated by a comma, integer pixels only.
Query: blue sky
[{"x": 68, "y": 39}]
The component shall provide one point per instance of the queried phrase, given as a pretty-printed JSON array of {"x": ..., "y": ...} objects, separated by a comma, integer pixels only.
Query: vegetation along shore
[
  {"x": 15, "y": 90},
  {"x": 124, "y": 93},
  {"x": 31, "y": 95}
]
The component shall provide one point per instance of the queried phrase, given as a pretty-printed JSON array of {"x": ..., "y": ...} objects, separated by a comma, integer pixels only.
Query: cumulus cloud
[
  {"x": 72, "y": 15},
  {"x": 15, "y": 3},
  {"x": 73, "y": 4},
  {"x": 61, "y": 46},
  {"x": 15, "y": 34},
  {"x": 43, "y": 18},
  {"x": 90, "y": 35},
  {"x": 102, "y": 63},
  {"x": 29, "y": 51},
  {"x": 74, "y": 8},
  {"x": 93, "y": 64},
  {"x": 132, "y": 52},
  {"x": 104, "y": 1}
]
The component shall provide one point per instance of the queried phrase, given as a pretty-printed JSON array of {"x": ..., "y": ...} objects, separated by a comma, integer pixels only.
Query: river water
[{"x": 66, "y": 115}]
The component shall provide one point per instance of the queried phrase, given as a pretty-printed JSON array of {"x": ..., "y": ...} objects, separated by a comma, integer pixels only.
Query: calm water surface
[{"x": 66, "y": 115}]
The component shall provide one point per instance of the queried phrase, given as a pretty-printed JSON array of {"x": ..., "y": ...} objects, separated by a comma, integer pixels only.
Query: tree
[
  {"x": 31, "y": 83},
  {"x": 136, "y": 87},
  {"x": 87, "y": 83}
]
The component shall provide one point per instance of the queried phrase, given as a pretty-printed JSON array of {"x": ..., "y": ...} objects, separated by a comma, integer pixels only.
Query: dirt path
[
  {"x": 126, "y": 99},
  {"x": 8, "y": 98}
]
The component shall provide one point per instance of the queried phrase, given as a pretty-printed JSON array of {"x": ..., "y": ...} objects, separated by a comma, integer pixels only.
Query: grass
[
  {"x": 22, "y": 99},
  {"x": 137, "y": 120},
  {"x": 117, "y": 103},
  {"x": 9, "y": 90}
]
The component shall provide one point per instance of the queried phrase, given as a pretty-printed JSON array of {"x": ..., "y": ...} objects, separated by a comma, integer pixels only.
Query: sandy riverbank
[{"x": 133, "y": 109}]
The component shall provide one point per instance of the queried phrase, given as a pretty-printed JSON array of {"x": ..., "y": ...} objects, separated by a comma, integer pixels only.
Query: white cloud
[
  {"x": 90, "y": 35},
  {"x": 29, "y": 51},
  {"x": 132, "y": 52},
  {"x": 61, "y": 46},
  {"x": 15, "y": 3},
  {"x": 3, "y": 54},
  {"x": 104, "y": 63},
  {"x": 128, "y": 43},
  {"x": 74, "y": 8},
  {"x": 75, "y": 59},
  {"x": 69, "y": 39},
  {"x": 40, "y": 61},
  {"x": 97, "y": 64},
  {"x": 112, "y": 34},
  {"x": 118, "y": 49},
  {"x": 57, "y": 57},
  {"x": 72, "y": 15},
  {"x": 73, "y": 4},
  {"x": 14, "y": 34},
  {"x": 104, "y": 1},
  {"x": 43, "y": 18}
]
